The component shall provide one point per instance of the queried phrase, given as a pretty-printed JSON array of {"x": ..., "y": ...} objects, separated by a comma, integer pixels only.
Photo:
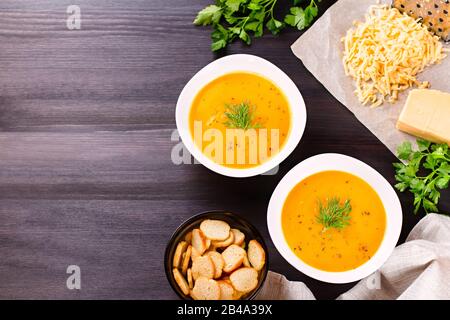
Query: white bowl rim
[
  {"x": 242, "y": 63},
  {"x": 336, "y": 162}
]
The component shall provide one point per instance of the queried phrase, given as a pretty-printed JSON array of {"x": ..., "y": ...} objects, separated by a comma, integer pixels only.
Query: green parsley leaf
[
  {"x": 256, "y": 27},
  {"x": 311, "y": 12},
  {"x": 219, "y": 38},
  {"x": 219, "y": 44},
  {"x": 254, "y": 6},
  {"x": 423, "y": 144},
  {"x": 245, "y": 37},
  {"x": 444, "y": 168},
  {"x": 209, "y": 15},
  {"x": 401, "y": 186},
  {"x": 442, "y": 183},
  {"x": 434, "y": 196},
  {"x": 233, "y": 5},
  {"x": 300, "y": 18},
  {"x": 274, "y": 26},
  {"x": 404, "y": 150},
  {"x": 429, "y": 206},
  {"x": 296, "y": 18}
]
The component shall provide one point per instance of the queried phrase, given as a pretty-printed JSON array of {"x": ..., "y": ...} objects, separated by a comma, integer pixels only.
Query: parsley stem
[
  {"x": 245, "y": 22},
  {"x": 272, "y": 7}
]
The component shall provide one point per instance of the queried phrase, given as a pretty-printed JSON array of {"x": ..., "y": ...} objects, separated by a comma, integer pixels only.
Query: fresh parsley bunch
[
  {"x": 424, "y": 173},
  {"x": 232, "y": 19}
]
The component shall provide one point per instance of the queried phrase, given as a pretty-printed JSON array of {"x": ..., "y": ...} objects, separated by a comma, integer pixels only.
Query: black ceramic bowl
[{"x": 235, "y": 221}]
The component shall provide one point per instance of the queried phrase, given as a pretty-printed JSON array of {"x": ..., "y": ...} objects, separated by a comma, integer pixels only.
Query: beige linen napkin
[{"x": 417, "y": 269}]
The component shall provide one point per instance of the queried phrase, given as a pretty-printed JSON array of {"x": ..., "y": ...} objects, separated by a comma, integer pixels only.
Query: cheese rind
[{"x": 426, "y": 114}]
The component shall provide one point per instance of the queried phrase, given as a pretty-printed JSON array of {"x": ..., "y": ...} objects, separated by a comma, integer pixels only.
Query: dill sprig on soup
[
  {"x": 240, "y": 120},
  {"x": 240, "y": 116},
  {"x": 333, "y": 214}
]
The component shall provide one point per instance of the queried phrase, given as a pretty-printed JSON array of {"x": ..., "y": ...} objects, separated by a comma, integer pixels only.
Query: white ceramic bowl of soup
[
  {"x": 335, "y": 163},
  {"x": 247, "y": 64}
]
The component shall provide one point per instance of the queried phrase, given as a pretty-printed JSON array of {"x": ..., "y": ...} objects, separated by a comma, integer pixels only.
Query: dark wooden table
[{"x": 86, "y": 120}]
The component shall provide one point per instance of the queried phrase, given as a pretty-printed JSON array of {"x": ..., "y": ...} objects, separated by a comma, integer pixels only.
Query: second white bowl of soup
[
  {"x": 334, "y": 218},
  {"x": 240, "y": 116}
]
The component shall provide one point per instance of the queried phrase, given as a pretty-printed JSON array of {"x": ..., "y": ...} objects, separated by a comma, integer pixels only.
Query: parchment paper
[{"x": 321, "y": 50}]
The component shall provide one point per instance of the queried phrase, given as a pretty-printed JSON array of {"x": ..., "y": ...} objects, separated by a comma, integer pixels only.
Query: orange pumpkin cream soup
[
  {"x": 240, "y": 120},
  {"x": 333, "y": 221}
]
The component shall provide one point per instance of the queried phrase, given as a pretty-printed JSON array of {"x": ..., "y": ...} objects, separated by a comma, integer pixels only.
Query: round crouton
[
  {"x": 203, "y": 267},
  {"x": 239, "y": 236},
  {"x": 244, "y": 279},
  {"x": 186, "y": 260},
  {"x": 233, "y": 257},
  {"x": 245, "y": 262},
  {"x": 206, "y": 289},
  {"x": 188, "y": 237},
  {"x": 215, "y": 229},
  {"x": 226, "y": 290},
  {"x": 178, "y": 255},
  {"x": 199, "y": 241},
  {"x": 256, "y": 255},
  {"x": 225, "y": 243},
  {"x": 194, "y": 254},
  {"x": 237, "y": 294},
  {"x": 190, "y": 280},
  {"x": 218, "y": 263},
  {"x": 179, "y": 279}
]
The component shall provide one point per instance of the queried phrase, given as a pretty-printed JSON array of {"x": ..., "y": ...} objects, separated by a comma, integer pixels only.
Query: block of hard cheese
[{"x": 426, "y": 114}]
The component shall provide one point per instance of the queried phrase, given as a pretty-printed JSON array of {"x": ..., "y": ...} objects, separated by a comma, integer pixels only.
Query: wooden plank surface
[{"x": 86, "y": 136}]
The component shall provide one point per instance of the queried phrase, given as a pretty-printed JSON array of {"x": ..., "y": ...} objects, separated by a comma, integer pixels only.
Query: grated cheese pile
[{"x": 386, "y": 52}]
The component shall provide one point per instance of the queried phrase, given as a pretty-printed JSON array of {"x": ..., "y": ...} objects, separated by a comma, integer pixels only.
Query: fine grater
[{"x": 434, "y": 14}]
